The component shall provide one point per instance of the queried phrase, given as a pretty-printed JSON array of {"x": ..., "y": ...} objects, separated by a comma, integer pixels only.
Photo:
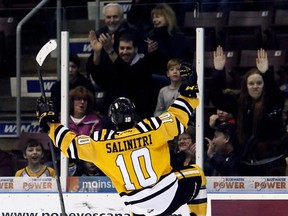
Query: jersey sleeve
[{"x": 183, "y": 109}]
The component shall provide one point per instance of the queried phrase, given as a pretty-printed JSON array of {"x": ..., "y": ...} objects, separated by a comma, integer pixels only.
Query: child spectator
[
  {"x": 34, "y": 153},
  {"x": 169, "y": 93},
  {"x": 225, "y": 111},
  {"x": 222, "y": 152}
]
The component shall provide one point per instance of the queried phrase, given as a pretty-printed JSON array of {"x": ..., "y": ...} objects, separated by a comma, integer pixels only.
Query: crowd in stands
[
  {"x": 261, "y": 134},
  {"x": 139, "y": 57}
]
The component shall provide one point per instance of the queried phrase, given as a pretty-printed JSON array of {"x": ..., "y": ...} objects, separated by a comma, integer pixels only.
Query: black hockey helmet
[{"x": 122, "y": 113}]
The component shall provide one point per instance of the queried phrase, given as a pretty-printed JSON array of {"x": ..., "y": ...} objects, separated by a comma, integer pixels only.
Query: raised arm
[
  {"x": 97, "y": 47},
  {"x": 108, "y": 41},
  {"x": 262, "y": 61},
  {"x": 219, "y": 58}
]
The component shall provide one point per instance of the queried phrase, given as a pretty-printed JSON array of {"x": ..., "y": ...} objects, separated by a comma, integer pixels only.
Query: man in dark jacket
[{"x": 124, "y": 66}]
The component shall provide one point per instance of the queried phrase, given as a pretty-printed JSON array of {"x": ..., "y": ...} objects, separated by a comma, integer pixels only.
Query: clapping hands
[
  {"x": 105, "y": 41},
  {"x": 95, "y": 43}
]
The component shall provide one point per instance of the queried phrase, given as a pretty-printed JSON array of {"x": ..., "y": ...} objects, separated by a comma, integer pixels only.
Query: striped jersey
[
  {"x": 45, "y": 171},
  {"x": 135, "y": 159}
]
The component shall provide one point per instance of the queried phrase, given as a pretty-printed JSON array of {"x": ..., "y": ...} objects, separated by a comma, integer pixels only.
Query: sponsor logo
[
  {"x": 270, "y": 183},
  {"x": 229, "y": 183},
  {"x": 10, "y": 128}
]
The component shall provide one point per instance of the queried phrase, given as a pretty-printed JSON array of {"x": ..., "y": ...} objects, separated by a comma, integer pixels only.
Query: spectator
[
  {"x": 169, "y": 93},
  {"x": 115, "y": 22},
  {"x": 260, "y": 131},
  {"x": 127, "y": 65},
  {"x": 34, "y": 153},
  {"x": 222, "y": 150},
  {"x": 225, "y": 111},
  {"x": 75, "y": 79},
  {"x": 116, "y": 25},
  {"x": 6, "y": 165},
  {"x": 88, "y": 169},
  {"x": 83, "y": 119},
  {"x": 185, "y": 151},
  {"x": 165, "y": 40}
]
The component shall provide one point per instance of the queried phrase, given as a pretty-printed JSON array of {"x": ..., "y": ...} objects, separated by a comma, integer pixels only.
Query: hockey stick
[{"x": 40, "y": 58}]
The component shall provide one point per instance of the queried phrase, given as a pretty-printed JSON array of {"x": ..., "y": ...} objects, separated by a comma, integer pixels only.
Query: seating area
[
  {"x": 236, "y": 30},
  {"x": 240, "y": 32}
]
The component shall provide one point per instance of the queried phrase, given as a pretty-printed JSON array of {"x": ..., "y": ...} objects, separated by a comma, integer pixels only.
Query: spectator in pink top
[{"x": 83, "y": 119}]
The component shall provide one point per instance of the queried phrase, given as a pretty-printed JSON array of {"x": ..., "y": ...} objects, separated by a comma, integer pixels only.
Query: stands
[
  {"x": 213, "y": 22},
  {"x": 241, "y": 33}
]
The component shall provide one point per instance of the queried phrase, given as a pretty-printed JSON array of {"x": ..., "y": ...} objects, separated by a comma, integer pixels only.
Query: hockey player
[{"x": 136, "y": 157}]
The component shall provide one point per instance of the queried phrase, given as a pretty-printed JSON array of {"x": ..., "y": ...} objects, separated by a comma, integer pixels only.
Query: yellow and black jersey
[
  {"x": 45, "y": 171},
  {"x": 134, "y": 159}
]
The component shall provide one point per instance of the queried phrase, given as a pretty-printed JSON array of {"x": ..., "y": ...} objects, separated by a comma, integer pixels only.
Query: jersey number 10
[{"x": 135, "y": 157}]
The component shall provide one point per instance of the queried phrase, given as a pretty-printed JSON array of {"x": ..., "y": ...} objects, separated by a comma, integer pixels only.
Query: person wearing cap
[
  {"x": 222, "y": 150},
  {"x": 225, "y": 111}
]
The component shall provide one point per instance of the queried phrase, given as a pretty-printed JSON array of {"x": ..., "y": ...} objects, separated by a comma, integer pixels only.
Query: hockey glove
[
  {"x": 189, "y": 87},
  {"x": 45, "y": 113}
]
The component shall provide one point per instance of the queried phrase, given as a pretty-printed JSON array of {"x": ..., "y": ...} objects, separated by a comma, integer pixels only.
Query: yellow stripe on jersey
[{"x": 187, "y": 173}]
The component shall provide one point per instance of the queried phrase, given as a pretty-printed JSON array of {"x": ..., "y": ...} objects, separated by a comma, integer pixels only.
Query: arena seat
[
  {"x": 8, "y": 26},
  {"x": 2, "y": 50},
  {"x": 250, "y": 18},
  {"x": 278, "y": 31},
  {"x": 209, "y": 34},
  {"x": 246, "y": 29},
  {"x": 280, "y": 17},
  {"x": 216, "y": 20}
]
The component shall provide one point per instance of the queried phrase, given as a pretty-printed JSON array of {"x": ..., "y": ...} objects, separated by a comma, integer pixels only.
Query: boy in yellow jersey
[
  {"x": 136, "y": 157},
  {"x": 34, "y": 153}
]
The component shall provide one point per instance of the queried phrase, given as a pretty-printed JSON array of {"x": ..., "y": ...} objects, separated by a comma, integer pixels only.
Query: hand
[
  {"x": 211, "y": 148},
  {"x": 212, "y": 120},
  {"x": 96, "y": 45},
  {"x": 151, "y": 45},
  {"x": 262, "y": 61},
  {"x": 192, "y": 150},
  {"x": 45, "y": 114},
  {"x": 189, "y": 86},
  {"x": 107, "y": 41},
  {"x": 219, "y": 58}
]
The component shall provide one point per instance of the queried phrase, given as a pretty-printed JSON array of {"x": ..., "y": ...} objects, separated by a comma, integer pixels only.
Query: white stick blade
[{"x": 45, "y": 50}]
